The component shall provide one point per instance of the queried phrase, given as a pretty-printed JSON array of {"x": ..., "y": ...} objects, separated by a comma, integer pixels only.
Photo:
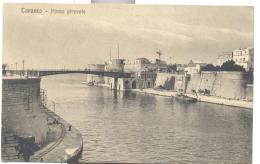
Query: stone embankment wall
[
  {"x": 171, "y": 81},
  {"x": 221, "y": 84},
  {"x": 233, "y": 85},
  {"x": 21, "y": 113},
  {"x": 166, "y": 80}
]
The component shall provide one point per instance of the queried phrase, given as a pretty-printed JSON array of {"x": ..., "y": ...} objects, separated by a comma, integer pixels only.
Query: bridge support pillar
[{"x": 115, "y": 83}]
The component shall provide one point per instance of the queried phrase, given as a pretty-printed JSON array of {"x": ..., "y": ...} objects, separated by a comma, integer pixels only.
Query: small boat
[
  {"x": 91, "y": 83},
  {"x": 183, "y": 97}
]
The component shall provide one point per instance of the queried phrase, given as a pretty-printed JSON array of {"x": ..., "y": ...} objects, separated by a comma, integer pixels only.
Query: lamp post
[
  {"x": 15, "y": 67},
  {"x": 159, "y": 60},
  {"x": 23, "y": 67}
]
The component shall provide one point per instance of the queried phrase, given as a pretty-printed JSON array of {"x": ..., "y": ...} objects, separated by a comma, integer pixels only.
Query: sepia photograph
[{"x": 127, "y": 83}]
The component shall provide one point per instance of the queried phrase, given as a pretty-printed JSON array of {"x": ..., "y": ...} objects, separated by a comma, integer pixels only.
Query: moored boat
[
  {"x": 183, "y": 97},
  {"x": 91, "y": 83}
]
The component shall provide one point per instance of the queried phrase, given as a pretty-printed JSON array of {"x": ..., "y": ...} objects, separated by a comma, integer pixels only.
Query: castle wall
[
  {"x": 233, "y": 85},
  {"x": 221, "y": 84}
]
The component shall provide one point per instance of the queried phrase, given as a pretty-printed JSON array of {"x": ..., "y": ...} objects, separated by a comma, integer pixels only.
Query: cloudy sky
[{"x": 72, "y": 41}]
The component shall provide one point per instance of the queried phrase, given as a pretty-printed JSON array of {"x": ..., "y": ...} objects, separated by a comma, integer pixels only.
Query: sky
[{"x": 48, "y": 41}]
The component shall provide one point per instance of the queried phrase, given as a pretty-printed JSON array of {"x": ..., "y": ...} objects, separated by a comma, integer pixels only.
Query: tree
[
  {"x": 209, "y": 67},
  {"x": 231, "y": 66},
  {"x": 172, "y": 67},
  {"x": 4, "y": 69}
]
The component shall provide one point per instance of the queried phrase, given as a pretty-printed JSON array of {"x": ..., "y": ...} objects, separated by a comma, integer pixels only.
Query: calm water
[{"x": 132, "y": 127}]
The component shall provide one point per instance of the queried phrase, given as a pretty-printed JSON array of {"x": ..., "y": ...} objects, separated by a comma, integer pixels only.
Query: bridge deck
[{"x": 54, "y": 72}]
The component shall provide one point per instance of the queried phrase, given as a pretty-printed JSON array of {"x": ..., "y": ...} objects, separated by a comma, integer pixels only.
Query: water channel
[{"x": 134, "y": 127}]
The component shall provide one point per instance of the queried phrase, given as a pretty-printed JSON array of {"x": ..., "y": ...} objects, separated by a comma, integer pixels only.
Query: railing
[{"x": 43, "y": 98}]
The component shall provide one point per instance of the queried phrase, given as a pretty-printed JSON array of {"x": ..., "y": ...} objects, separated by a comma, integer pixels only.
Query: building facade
[
  {"x": 115, "y": 65},
  {"x": 180, "y": 67},
  {"x": 244, "y": 57},
  {"x": 194, "y": 67},
  {"x": 224, "y": 58},
  {"x": 139, "y": 64}
]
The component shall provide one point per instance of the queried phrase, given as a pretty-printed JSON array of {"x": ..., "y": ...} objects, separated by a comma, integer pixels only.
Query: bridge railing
[{"x": 39, "y": 73}]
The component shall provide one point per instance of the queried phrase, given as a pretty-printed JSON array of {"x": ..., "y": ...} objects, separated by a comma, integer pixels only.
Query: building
[
  {"x": 115, "y": 65},
  {"x": 143, "y": 74},
  {"x": 180, "y": 67},
  {"x": 244, "y": 57},
  {"x": 139, "y": 64},
  {"x": 226, "y": 56},
  {"x": 194, "y": 67},
  {"x": 161, "y": 65}
]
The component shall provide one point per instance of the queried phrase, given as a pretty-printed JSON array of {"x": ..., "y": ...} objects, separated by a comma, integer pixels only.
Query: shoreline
[
  {"x": 66, "y": 148},
  {"x": 201, "y": 98}
]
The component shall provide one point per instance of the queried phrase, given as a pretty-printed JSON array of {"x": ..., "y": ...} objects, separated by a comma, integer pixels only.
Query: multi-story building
[
  {"x": 143, "y": 73},
  {"x": 139, "y": 64},
  {"x": 244, "y": 57},
  {"x": 226, "y": 56}
]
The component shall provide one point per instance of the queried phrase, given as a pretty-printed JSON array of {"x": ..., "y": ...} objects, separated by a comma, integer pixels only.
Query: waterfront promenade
[
  {"x": 65, "y": 148},
  {"x": 202, "y": 98}
]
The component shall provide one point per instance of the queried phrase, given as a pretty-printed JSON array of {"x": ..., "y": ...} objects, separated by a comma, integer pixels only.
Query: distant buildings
[
  {"x": 224, "y": 58},
  {"x": 180, "y": 67},
  {"x": 194, "y": 67},
  {"x": 244, "y": 57},
  {"x": 139, "y": 64}
]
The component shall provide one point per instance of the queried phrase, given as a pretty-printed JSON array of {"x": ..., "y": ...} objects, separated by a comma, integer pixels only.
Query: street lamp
[
  {"x": 15, "y": 67},
  {"x": 23, "y": 67}
]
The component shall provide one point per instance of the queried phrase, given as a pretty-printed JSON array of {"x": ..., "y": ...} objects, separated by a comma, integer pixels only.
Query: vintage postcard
[{"x": 127, "y": 83}]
